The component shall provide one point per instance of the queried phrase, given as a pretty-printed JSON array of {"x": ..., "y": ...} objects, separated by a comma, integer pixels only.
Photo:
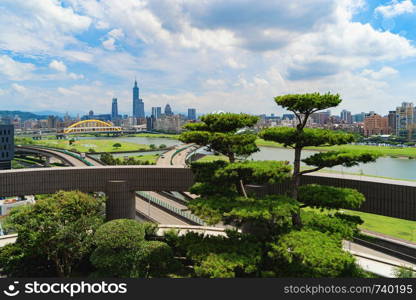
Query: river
[{"x": 397, "y": 168}]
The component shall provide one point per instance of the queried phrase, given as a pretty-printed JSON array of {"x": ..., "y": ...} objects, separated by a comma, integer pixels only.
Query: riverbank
[
  {"x": 93, "y": 144},
  {"x": 384, "y": 151}
]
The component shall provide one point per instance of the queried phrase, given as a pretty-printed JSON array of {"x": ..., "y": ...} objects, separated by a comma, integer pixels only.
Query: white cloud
[
  {"x": 109, "y": 44},
  {"x": 382, "y": 73},
  {"x": 396, "y": 8},
  {"x": 58, "y": 66},
  {"x": 75, "y": 76},
  {"x": 19, "y": 88},
  {"x": 15, "y": 70}
]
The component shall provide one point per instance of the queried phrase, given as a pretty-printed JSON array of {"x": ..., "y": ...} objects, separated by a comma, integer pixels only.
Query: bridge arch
[{"x": 91, "y": 126}]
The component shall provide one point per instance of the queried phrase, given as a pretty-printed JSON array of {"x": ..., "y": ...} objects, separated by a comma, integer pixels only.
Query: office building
[
  {"x": 321, "y": 117},
  {"x": 405, "y": 125},
  {"x": 138, "y": 105},
  {"x": 375, "y": 124},
  {"x": 6, "y": 146},
  {"x": 392, "y": 122},
  {"x": 192, "y": 114},
  {"x": 156, "y": 112},
  {"x": 114, "y": 110},
  {"x": 168, "y": 110},
  {"x": 346, "y": 116}
]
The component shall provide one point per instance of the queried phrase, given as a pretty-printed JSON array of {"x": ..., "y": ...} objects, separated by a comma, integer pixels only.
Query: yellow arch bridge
[{"x": 91, "y": 126}]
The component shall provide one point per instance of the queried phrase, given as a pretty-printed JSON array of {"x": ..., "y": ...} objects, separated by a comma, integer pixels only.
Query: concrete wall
[{"x": 385, "y": 197}]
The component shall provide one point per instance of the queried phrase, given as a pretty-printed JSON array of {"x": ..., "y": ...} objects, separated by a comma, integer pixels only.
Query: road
[
  {"x": 178, "y": 159},
  {"x": 156, "y": 214},
  {"x": 68, "y": 158}
]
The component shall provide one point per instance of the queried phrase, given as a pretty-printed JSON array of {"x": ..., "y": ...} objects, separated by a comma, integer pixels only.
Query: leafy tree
[
  {"x": 303, "y": 106},
  {"x": 54, "y": 234},
  {"x": 122, "y": 251},
  {"x": 117, "y": 145},
  {"x": 225, "y": 134},
  {"x": 162, "y": 146},
  {"x": 152, "y": 146},
  {"x": 309, "y": 253}
]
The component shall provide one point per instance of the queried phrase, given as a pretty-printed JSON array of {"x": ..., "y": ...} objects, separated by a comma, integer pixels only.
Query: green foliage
[
  {"x": 225, "y": 122},
  {"x": 276, "y": 208},
  {"x": 152, "y": 146},
  {"x": 310, "y": 253},
  {"x": 334, "y": 224},
  {"x": 402, "y": 272},
  {"x": 234, "y": 255},
  {"x": 56, "y": 231},
  {"x": 322, "y": 196},
  {"x": 119, "y": 234},
  {"x": 122, "y": 251},
  {"x": 117, "y": 145},
  {"x": 15, "y": 262},
  {"x": 158, "y": 259},
  {"x": 162, "y": 146},
  {"x": 255, "y": 172},
  {"x": 220, "y": 133},
  {"x": 110, "y": 160},
  {"x": 291, "y": 137},
  {"x": 344, "y": 158},
  {"x": 307, "y": 103}
]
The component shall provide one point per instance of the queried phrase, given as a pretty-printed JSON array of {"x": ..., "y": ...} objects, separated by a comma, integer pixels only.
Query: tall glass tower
[
  {"x": 138, "y": 105},
  {"x": 114, "y": 109}
]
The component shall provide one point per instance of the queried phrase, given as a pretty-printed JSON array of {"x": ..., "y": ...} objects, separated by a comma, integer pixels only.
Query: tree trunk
[{"x": 296, "y": 220}]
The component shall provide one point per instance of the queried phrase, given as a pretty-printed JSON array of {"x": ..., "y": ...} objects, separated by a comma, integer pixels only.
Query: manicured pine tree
[{"x": 303, "y": 106}]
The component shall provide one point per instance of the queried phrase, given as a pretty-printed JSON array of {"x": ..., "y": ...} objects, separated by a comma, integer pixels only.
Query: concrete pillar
[{"x": 120, "y": 201}]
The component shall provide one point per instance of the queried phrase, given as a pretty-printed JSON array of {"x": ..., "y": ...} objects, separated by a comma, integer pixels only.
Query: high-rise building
[
  {"x": 375, "y": 124},
  {"x": 392, "y": 121},
  {"x": 138, "y": 105},
  {"x": 346, "y": 116},
  {"x": 114, "y": 109},
  {"x": 52, "y": 122},
  {"x": 168, "y": 110},
  {"x": 156, "y": 112},
  {"x": 405, "y": 125},
  {"x": 192, "y": 114},
  {"x": 6, "y": 146},
  {"x": 321, "y": 117},
  {"x": 358, "y": 118}
]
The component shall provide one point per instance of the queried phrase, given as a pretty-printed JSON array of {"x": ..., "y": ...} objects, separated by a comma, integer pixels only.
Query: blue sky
[{"x": 235, "y": 55}]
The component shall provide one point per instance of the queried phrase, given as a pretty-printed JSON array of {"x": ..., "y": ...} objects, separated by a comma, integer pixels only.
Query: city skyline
[{"x": 86, "y": 52}]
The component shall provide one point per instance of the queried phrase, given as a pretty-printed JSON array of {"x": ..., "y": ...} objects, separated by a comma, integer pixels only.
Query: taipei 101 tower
[{"x": 138, "y": 105}]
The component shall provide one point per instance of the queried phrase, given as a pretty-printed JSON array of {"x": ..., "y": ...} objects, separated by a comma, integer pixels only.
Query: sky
[{"x": 235, "y": 55}]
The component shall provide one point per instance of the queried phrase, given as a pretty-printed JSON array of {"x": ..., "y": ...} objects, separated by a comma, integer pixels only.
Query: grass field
[
  {"x": 97, "y": 145},
  {"x": 210, "y": 158},
  {"x": 403, "y": 229},
  {"x": 385, "y": 151},
  {"x": 150, "y": 158}
]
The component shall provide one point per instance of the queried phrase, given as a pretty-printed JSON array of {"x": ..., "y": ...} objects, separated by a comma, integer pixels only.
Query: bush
[
  {"x": 119, "y": 234},
  {"x": 122, "y": 251},
  {"x": 310, "y": 253}
]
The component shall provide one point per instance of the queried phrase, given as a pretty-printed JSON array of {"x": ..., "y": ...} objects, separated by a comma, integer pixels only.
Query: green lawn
[
  {"x": 399, "y": 228},
  {"x": 150, "y": 158},
  {"x": 86, "y": 145},
  {"x": 385, "y": 151},
  {"x": 211, "y": 158}
]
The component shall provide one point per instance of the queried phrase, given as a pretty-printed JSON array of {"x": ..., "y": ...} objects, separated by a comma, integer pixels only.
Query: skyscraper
[
  {"x": 346, "y": 116},
  {"x": 168, "y": 110},
  {"x": 192, "y": 114},
  {"x": 138, "y": 105},
  {"x": 156, "y": 112},
  {"x": 114, "y": 109},
  {"x": 6, "y": 146}
]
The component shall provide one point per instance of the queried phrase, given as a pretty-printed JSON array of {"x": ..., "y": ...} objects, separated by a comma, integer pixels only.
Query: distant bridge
[{"x": 92, "y": 126}]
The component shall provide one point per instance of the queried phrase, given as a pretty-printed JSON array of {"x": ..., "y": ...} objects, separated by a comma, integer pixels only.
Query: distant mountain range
[{"x": 24, "y": 115}]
